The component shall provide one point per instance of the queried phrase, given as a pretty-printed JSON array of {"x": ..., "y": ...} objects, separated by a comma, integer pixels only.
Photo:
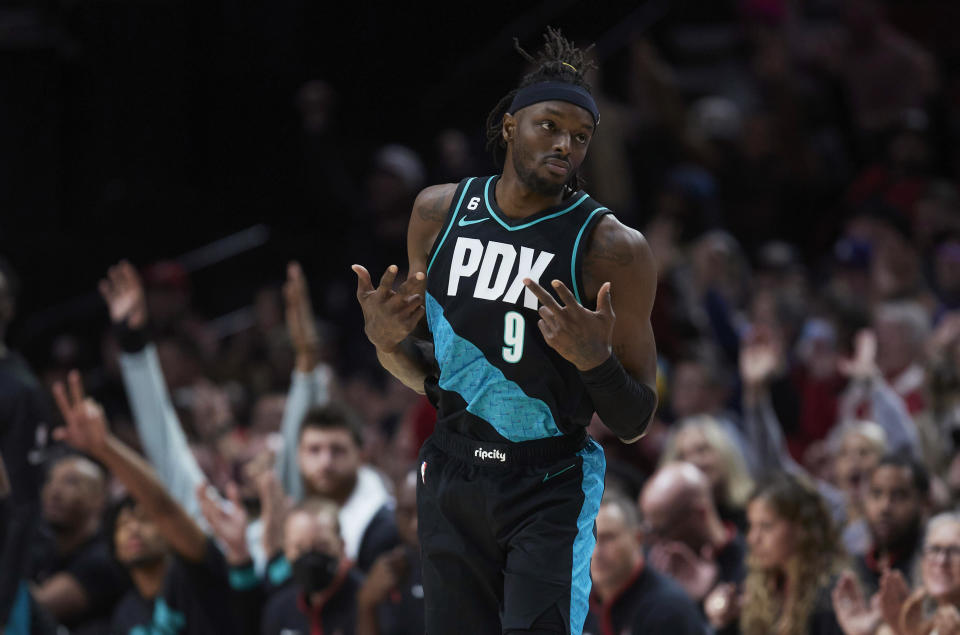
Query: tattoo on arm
[
  {"x": 604, "y": 250},
  {"x": 435, "y": 210},
  {"x": 605, "y": 246}
]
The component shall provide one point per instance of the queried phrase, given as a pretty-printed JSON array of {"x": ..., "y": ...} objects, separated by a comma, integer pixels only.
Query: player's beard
[{"x": 529, "y": 177}]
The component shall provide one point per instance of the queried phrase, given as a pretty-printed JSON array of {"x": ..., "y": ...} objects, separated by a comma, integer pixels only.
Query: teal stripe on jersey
[
  {"x": 488, "y": 393},
  {"x": 511, "y": 228},
  {"x": 594, "y": 466},
  {"x": 453, "y": 217},
  {"x": 576, "y": 245}
]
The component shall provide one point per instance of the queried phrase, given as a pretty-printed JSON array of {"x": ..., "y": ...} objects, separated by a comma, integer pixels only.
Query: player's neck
[{"x": 516, "y": 200}]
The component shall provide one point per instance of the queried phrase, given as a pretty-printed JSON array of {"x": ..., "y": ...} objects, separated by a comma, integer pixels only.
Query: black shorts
[{"x": 506, "y": 531}]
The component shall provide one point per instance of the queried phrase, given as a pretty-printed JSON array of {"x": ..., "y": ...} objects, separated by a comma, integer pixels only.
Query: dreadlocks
[{"x": 558, "y": 61}]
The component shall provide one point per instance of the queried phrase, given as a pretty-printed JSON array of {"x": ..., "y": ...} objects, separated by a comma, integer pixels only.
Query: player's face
[
  {"x": 137, "y": 539},
  {"x": 548, "y": 141},
  {"x": 617, "y": 548},
  {"x": 329, "y": 460}
]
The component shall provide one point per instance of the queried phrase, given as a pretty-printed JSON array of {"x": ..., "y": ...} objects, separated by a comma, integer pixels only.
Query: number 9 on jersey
[{"x": 514, "y": 328}]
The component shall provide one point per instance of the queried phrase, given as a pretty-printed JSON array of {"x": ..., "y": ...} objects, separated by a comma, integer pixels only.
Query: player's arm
[
  {"x": 621, "y": 256},
  {"x": 612, "y": 347},
  {"x": 395, "y": 320}
]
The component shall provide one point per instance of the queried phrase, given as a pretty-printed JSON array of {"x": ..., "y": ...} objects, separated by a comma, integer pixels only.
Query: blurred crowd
[{"x": 793, "y": 170}]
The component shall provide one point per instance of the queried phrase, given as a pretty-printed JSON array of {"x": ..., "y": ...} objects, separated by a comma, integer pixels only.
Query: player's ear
[{"x": 508, "y": 127}]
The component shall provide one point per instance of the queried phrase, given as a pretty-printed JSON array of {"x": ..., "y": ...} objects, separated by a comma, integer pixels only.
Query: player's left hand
[{"x": 581, "y": 336}]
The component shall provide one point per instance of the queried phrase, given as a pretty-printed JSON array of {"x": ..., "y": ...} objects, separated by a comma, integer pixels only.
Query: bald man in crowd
[
  {"x": 628, "y": 596},
  {"x": 74, "y": 576},
  {"x": 687, "y": 540}
]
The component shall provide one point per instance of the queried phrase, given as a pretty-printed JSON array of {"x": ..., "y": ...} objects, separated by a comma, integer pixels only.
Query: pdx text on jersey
[{"x": 496, "y": 262}]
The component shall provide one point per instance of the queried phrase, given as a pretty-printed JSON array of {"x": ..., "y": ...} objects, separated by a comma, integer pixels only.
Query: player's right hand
[{"x": 390, "y": 316}]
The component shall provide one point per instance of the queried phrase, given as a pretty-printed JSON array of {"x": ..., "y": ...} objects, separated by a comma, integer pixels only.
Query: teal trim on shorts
[{"x": 594, "y": 466}]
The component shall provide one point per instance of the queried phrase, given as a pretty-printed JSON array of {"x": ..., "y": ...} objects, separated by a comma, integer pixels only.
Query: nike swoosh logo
[
  {"x": 548, "y": 476},
  {"x": 463, "y": 222}
]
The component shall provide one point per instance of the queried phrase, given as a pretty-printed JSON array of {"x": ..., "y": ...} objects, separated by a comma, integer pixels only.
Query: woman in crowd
[
  {"x": 704, "y": 441},
  {"x": 794, "y": 556}
]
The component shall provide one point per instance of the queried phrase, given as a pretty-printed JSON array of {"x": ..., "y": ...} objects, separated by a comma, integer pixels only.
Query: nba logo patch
[{"x": 423, "y": 472}]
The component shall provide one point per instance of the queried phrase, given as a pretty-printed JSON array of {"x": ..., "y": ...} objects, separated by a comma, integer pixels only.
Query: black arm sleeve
[{"x": 623, "y": 403}]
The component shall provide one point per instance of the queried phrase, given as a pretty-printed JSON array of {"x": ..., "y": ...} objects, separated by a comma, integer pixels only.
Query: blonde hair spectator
[{"x": 703, "y": 441}]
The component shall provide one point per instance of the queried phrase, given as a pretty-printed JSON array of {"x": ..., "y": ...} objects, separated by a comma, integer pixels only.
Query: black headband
[{"x": 560, "y": 91}]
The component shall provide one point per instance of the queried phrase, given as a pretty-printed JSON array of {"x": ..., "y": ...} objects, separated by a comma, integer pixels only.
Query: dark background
[{"x": 148, "y": 129}]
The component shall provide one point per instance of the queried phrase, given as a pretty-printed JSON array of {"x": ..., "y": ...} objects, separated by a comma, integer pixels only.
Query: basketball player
[{"x": 538, "y": 306}]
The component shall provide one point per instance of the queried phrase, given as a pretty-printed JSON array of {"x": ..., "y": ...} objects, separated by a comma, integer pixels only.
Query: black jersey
[{"x": 499, "y": 379}]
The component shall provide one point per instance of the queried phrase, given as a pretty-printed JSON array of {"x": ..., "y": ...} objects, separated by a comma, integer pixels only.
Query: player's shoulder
[
  {"x": 615, "y": 241},
  {"x": 433, "y": 201}
]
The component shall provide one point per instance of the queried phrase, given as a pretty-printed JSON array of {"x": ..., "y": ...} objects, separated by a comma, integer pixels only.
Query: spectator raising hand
[
  {"x": 86, "y": 425},
  {"x": 180, "y": 576},
  {"x": 862, "y": 366},
  {"x": 301, "y": 324},
  {"x": 760, "y": 359},
  {"x": 86, "y": 430},
  {"x": 123, "y": 293}
]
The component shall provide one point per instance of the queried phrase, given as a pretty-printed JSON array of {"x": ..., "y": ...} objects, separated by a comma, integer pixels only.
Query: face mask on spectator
[{"x": 314, "y": 571}]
